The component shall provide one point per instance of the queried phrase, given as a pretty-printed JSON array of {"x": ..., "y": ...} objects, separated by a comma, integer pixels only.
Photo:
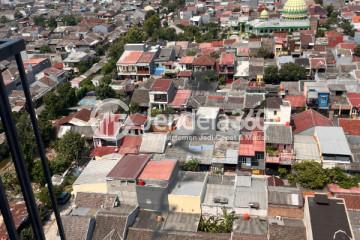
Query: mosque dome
[
  {"x": 264, "y": 14},
  {"x": 295, "y": 9}
]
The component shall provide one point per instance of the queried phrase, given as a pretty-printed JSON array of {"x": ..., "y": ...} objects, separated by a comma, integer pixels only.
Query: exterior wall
[
  {"x": 323, "y": 100},
  {"x": 290, "y": 212},
  {"x": 185, "y": 204},
  {"x": 92, "y": 188},
  {"x": 126, "y": 191},
  {"x": 152, "y": 198},
  {"x": 214, "y": 210},
  {"x": 307, "y": 221},
  {"x": 250, "y": 211}
]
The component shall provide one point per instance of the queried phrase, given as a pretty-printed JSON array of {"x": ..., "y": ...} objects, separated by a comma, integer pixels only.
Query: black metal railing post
[
  {"x": 6, "y": 214},
  {"x": 18, "y": 160},
  {"x": 41, "y": 148}
]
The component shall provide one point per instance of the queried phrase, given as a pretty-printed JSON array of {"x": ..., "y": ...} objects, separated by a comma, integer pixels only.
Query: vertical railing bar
[
  {"x": 41, "y": 148},
  {"x": 18, "y": 160}
]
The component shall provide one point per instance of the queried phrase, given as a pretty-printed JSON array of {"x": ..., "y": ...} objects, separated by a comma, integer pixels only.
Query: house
[
  {"x": 114, "y": 223},
  {"x": 297, "y": 102},
  {"x": 186, "y": 62},
  {"x": 204, "y": 63},
  {"x": 96, "y": 200},
  {"x": 161, "y": 93},
  {"x": 207, "y": 118},
  {"x": 219, "y": 195},
  {"x": 306, "y": 148},
  {"x": 108, "y": 132},
  {"x": 350, "y": 126},
  {"x": 333, "y": 145},
  {"x": 36, "y": 65},
  {"x": 20, "y": 218},
  {"x": 181, "y": 99},
  {"x": 135, "y": 124},
  {"x": 253, "y": 101},
  {"x": 153, "y": 143},
  {"x": 155, "y": 183},
  {"x": 320, "y": 207},
  {"x": 286, "y": 229},
  {"x": 165, "y": 55},
  {"x": 250, "y": 195},
  {"x": 317, "y": 95},
  {"x": 354, "y": 99},
  {"x": 305, "y": 122},
  {"x": 334, "y": 38},
  {"x": 226, "y": 67},
  {"x": 122, "y": 179},
  {"x": 252, "y": 152},
  {"x": 93, "y": 177},
  {"x": 285, "y": 202},
  {"x": 75, "y": 58},
  {"x": 255, "y": 228},
  {"x": 136, "y": 62},
  {"x": 78, "y": 227},
  {"x": 277, "y": 111},
  {"x": 188, "y": 193},
  {"x": 279, "y": 143}
]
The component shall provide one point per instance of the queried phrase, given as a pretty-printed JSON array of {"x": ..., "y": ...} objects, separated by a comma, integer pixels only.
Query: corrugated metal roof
[
  {"x": 129, "y": 167},
  {"x": 332, "y": 140}
]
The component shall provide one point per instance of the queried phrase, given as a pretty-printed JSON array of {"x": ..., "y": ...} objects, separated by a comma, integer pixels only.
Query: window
[{"x": 275, "y": 113}]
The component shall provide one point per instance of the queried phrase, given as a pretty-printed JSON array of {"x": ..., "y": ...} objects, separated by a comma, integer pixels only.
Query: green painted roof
[{"x": 295, "y": 9}]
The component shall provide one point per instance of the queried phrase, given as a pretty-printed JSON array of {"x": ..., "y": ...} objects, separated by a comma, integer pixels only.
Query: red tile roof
[
  {"x": 296, "y": 101},
  {"x": 217, "y": 43},
  {"x": 336, "y": 189},
  {"x": 251, "y": 142},
  {"x": 181, "y": 98},
  {"x": 316, "y": 63},
  {"x": 187, "y": 73},
  {"x": 130, "y": 145},
  {"x": 354, "y": 99},
  {"x": 275, "y": 181},
  {"x": 109, "y": 125},
  {"x": 350, "y": 126},
  {"x": 83, "y": 114},
  {"x": 308, "y": 119},
  {"x": 129, "y": 167},
  {"x": 204, "y": 61},
  {"x": 102, "y": 151},
  {"x": 146, "y": 57},
  {"x": 352, "y": 201},
  {"x": 34, "y": 61},
  {"x": 158, "y": 170},
  {"x": 227, "y": 58},
  {"x": 19, "y": 214},
  {"x": 130, "y": 57},
  {"x": 350, "y": 46},
  {"x": 187, "y": 60},
  {"x": 136, "y": 120},
  {"x": 161, "y": 85}
]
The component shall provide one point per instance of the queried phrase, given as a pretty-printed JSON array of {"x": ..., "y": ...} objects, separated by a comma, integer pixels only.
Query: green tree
[
  {"x": 271, "y": 75},
  {"x": 192, "y": 165},
  {"x": 45, "y": 49},
  {"x": 52, "y": 23},
  {"x": 357, "y": 51},
  {"x": 39, "y": 21},
  {"x": 348, "y": 28},
  {"x": 105, "y": 91},
  {"x": 292, "y": 72},
  {"x": 217, "y": 224},
  {"x": 71, "y": 146},
  {"x": 44, "y": 197},
  {"x": 308, "y": 174},
  {"x": 329, "y": 10},
  {"x": 70, "y": 20},
  {"x": 151, "y": 25},
  {"x": 135, "y": 35},
  {"x": 264, "y": 53},
  {"x": 4, "y": 19},
  {"x": 11, "y": 183}
]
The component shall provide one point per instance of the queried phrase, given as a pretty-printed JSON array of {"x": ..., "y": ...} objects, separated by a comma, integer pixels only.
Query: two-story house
[
  {"x": 277, "y": 111},
  {"x": 108, "y": 132},
  {"x": 317, "y": 95},
  {"x": 227, "y": 66},
  {"x": 136, "y": 62},
  {"x": 161, "y": 93},
  {"x": 279, "y": 146},
  {"x": 204, "y": 63}
]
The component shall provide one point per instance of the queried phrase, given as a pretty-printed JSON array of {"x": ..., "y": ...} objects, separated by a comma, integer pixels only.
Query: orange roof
[
  {"x": 187, "y": 60},
  {"x": 296, "y": 101},
  {"x": 34, "y": 61},
  {"x": 251, "y": 142},
  {"x": 130, "y": 145},
  {"x": 181, "y": 98},
  {"x": 355, "y": 19},
  {"x": 227, "y": 58},
  {"x": 159, "y": 170},
  {"x": 130, "y": 57},
  {"x": 350, "y": 126}
]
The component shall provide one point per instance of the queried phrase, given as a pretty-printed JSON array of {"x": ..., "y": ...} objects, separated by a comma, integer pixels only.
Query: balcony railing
[{"x": 282, "y": 158}]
